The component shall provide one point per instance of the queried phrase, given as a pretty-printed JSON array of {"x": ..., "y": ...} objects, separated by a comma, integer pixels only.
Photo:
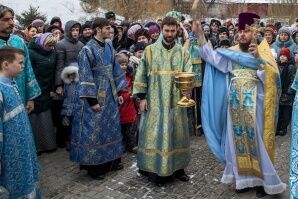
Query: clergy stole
[{"x": 243, "y": 102}]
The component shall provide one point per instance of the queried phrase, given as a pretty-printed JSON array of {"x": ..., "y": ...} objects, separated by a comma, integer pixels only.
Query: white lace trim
[{"x": 254, "y": 182}]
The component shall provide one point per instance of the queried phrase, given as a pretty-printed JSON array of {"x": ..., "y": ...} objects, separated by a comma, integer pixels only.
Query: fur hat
[
  {"x": 217, "y": 22},
  {"x": 70, "y": 70},
  {"x": 142, "y": 32}
]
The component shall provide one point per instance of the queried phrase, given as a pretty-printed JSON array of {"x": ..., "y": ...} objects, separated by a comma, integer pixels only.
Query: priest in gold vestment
[
  {"x": 163, "y": 147},
  {"x": 239, "y": 109}
]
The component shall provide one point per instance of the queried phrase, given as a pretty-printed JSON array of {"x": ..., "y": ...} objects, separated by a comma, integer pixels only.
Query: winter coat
[
  {"x": 287, "y": 75},
  {"x": 43, "y": 64},
  {"x": 84, "y": 40},
  {"x": 119, "y": 44},
  {"x": 278, "y": 45},
  {"x": 67, "y": 51},
  {"x": 128, "y": 112},
  {"x": 70, "y": 90}
]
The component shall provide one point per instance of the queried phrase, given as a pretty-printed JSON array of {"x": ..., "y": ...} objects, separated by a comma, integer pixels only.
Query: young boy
[
  {"x": 128, "y": 112},
  {"x": 134, "y": 60},
  {"x": 287, "y": 76},
  {"x": 19, "y": 168}
]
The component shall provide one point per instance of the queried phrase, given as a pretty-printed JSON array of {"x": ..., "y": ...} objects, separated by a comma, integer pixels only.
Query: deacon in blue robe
[
  {"x": 96, "y": 140},
  {"x": 18, "y": 160}
]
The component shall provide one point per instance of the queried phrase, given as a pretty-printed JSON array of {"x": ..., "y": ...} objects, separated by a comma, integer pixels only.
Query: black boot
[
  {"x": 96, "y": 177},
  {"x": 260, "y": 193},
  {"x": 281, "y": 133},
  {"x": 118, "y": 167},
  {"x": 243, "y": 190},
  {"x": 143, "y": 173},
  {"x": 159, "y": 180},
  {"x": 181, "y": 175}
]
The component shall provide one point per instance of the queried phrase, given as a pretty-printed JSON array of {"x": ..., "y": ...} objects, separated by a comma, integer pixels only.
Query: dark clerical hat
[{"x": 246, "y": 18}]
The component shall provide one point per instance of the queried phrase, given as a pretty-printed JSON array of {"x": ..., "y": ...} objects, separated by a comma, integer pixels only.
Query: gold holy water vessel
[{"x": 184, "y": 81}]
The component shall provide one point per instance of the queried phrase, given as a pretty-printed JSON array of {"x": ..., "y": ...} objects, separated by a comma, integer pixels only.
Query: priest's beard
[{"x": 244, "y": 46}]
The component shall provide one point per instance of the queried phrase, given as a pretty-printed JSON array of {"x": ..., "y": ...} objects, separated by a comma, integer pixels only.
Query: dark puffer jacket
[
  {"x": 43, "y": 64},
  {"x": 287, "y": 76},
  {"x": 67, "y": 51}
]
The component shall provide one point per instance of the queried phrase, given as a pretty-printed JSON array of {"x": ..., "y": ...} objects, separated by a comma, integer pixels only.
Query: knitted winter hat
[
  {"x": 270, "y": 28},
  {"x": 37, "y": 23},
  {"x": 87, "y": 24},
  {"x": 133, "y": 29},
  {"x": 285, "y": 29},
  {"x": 286, "y": 52}
]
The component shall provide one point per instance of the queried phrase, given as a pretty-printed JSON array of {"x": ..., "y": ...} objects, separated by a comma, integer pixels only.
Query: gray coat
[{"x": 67, "y": 51}]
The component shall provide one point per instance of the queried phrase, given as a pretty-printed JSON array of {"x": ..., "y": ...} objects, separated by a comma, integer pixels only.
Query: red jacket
[{"x": 128, "y": 112}]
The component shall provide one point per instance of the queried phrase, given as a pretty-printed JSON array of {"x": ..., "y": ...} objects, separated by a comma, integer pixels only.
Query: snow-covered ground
[{"x": 65, "y": 9}]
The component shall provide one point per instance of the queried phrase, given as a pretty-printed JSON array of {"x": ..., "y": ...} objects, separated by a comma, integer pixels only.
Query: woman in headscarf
[
  {"x": 154, "y": 30},
  {"x": 43, "y": 59}
]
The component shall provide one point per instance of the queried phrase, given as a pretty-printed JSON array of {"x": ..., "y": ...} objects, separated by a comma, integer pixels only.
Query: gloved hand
[{"x": 134, "y": 59}]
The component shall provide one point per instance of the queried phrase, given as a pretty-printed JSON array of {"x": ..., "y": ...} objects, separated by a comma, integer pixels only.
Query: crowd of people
[{"x": 103, "y": 88}]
